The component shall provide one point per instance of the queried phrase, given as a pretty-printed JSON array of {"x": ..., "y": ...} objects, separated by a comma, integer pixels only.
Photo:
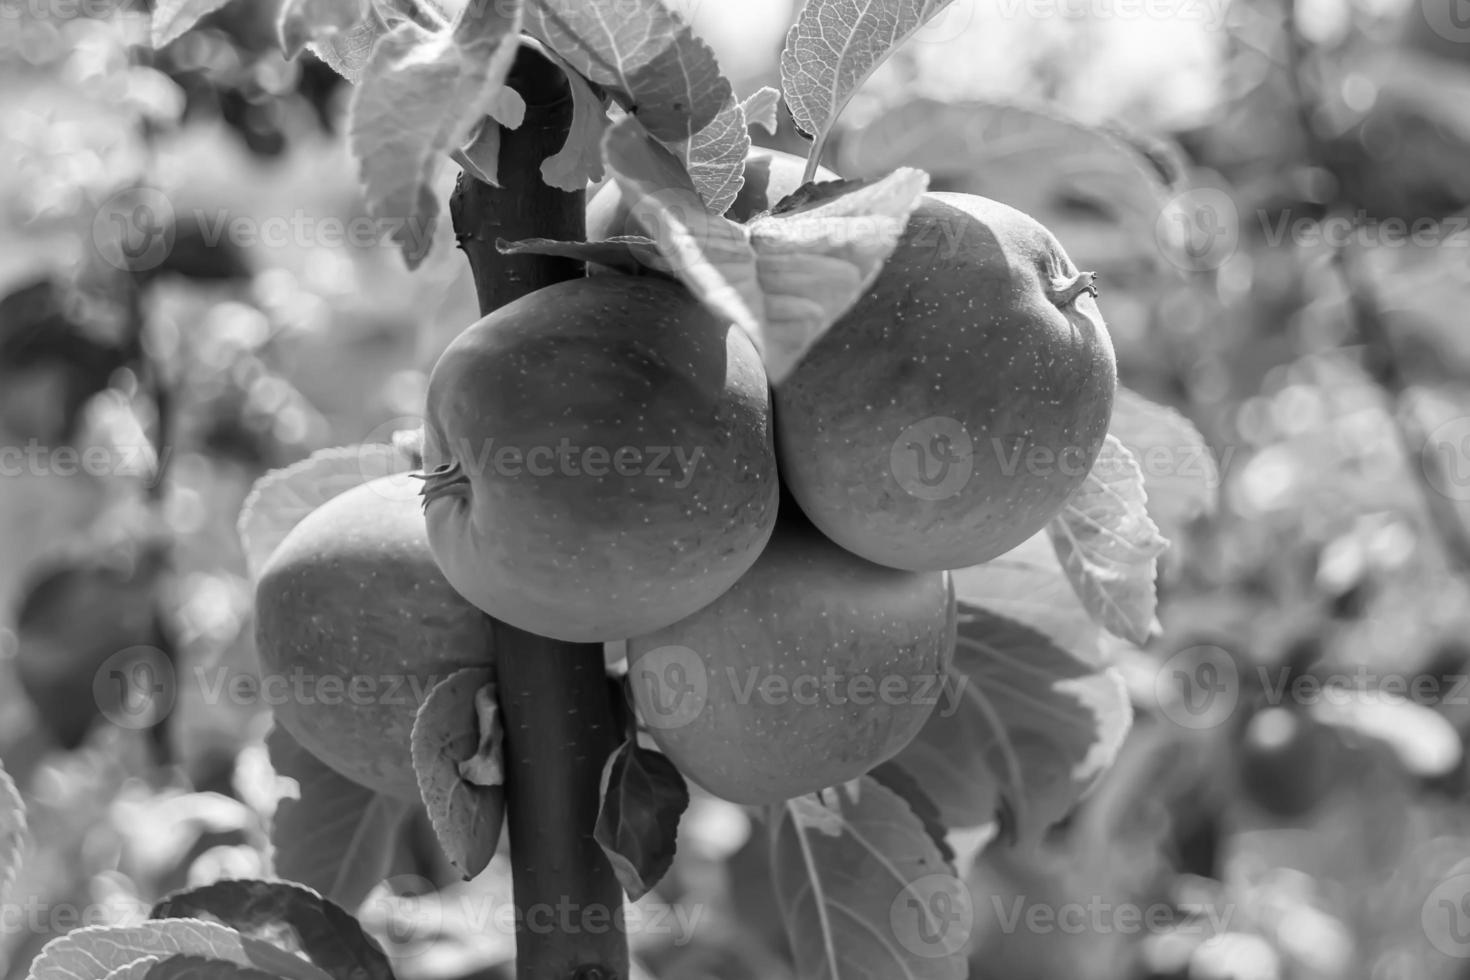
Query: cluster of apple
[{"x": 605, "y": 460}]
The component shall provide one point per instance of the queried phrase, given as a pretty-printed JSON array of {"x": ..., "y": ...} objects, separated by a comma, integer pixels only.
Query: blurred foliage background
[{"x": 1290, "y": 838}]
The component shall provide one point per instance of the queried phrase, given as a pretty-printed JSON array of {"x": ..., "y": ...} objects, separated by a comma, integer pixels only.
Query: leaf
[
  {"x": 1027, "y": 584},
  {"x": 446, "y": 734},
  {"x": 1109, "y": 546},
  {"x": 865, "y": 891},
  {"x": 1179, "y": 471},
  {"x": 303, "y": 21},
  {"x": 1426, "y": 744},
  {"x": 899, "y": 781},
  {"x": 480, "y": 157},
  {"x": 328, "y": 935},
  {"x": 760, "y": 108},
  {"x": 12, "y": 832},
  {"x": 579, "y": 161},
  {"x": 1023, "y": 730},
  {"x": 182, "y": 966},
  {"x": 665, "y": 76},
  {"x": 627, "y": 253},
  {"x": 784, "y": 278},
  {"x": 1034, "y": 159},
  {"x": 832, "y": 49},
  {"x": 643, "y": 796},
  {"x": 96, "y": 951},
  {"x": 280, "y": 499},
  {"x": 338, "y": 838},
  {"x": 173, "y": 18},
  {"x": 419, "y": 97},
  {"x": 347, "y": 52}
]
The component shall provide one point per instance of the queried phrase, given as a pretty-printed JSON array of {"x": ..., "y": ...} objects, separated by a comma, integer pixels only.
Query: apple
[
  {"x": 355, "y": 625},
  {"x": 770, "y": 175},
  {"x": 948, "y": 416},
  {"x": 600, "y": 459},
  {"x": 814, "y": 668}
]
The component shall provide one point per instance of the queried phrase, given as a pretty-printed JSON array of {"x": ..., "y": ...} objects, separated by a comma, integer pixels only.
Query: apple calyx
[
  {"x": 444, "y": 480},
  {"x": 1066, "y": 291}
]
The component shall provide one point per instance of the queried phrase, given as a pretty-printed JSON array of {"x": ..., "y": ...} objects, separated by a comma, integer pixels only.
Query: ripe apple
[
  {"x": 600, "y": 459},
  {"x": 355, "y": 625},
  {"x": 770, "y": 175},
  {"x": 948, "y": 416},
  {"x": 814, "y": 668}
]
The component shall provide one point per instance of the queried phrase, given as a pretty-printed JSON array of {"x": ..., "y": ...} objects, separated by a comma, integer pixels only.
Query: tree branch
[{"x": 559, "y": 722}]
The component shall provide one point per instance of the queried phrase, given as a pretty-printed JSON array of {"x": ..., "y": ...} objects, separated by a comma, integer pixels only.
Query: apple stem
[{"x": 559, "y": 720}]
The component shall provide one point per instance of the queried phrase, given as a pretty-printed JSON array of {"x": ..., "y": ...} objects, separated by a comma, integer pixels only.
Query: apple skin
[
  {"x": 805, "y": 621},
  {"x": 978, "y": 330},
  {"x": 770, "y": 175},
  {"x": 352, "y": 595},
  {"x": 599, "y": 364}
]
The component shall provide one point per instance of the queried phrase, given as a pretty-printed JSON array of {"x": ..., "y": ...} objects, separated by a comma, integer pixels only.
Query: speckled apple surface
[
  {"x": 631, "y": 369},
  {"x": 949, "y": 415},
  {"x": 355, "y": 624},
  {"x": 814, "y": 668}
]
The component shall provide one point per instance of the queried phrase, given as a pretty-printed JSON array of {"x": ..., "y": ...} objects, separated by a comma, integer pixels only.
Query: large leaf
[
  {"x": 1179, "y": 471},
  {"x": 457, "y": 756},
  {"x": 1027, "y": 584},
  {"x": 302, "y": 21},
  {"x": 329, "y": 936},
  {"x": 832, "y": 49},
  {"x": 1110, "y": 547},
  {"x": 12, "y": 832},
  {"x": 864, "y": 889},
  {"x": 423, "y": 93},
  {"x": 1103, "y": 198},
  {"x": 643, "y": 796},
  {"x": 182, "y": 966},
  {"x": 337, "y": 837},
  {"x": 664, "y": 75},
  {"x": 1024, "y": 730},
  {"x": 96, "y": 951},
  {"x": 280, "y": 499},
  {"x": 787, "y": 276}
]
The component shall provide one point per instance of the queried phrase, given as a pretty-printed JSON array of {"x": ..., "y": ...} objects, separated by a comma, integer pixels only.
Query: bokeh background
[{"x": 1301, "y": 296}]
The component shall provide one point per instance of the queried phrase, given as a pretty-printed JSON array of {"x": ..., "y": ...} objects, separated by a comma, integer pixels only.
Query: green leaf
[
  {"x": 456, "y": 744},
  {"x": 302, "y": 21},
  {"x": 1109, "y": 546},
  {"x": 280, "y": 499},
  {"x": 1027, "y": 584},
  {"x": 832, "y": 49},
  {"x": 1034, "y": 159},
  {"x": 97, "y": 951},
  {"x": 1024, "y": 728},
  {"x": 626, "y": 253},
  {"x": 760, "y": 108},
  {"x": 420, "y": 96},
  {"x": 173, "y": 18},
  {"x": 338, "y": 838},
  {"x": 715, "y": 157},
  {"x": 643, "y": 796},
  {"x": 328, "y": 935},
  {"x": 347, "y": 52},
  {"x": 182, "y": 966},
  {"x": 1179, "y": 471},
  {"x": 787, "y": 276},
  {"x": 579, "y": 161},
  {"x": 864, "y": 890},
  {"x": 12, "y": 832}
]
